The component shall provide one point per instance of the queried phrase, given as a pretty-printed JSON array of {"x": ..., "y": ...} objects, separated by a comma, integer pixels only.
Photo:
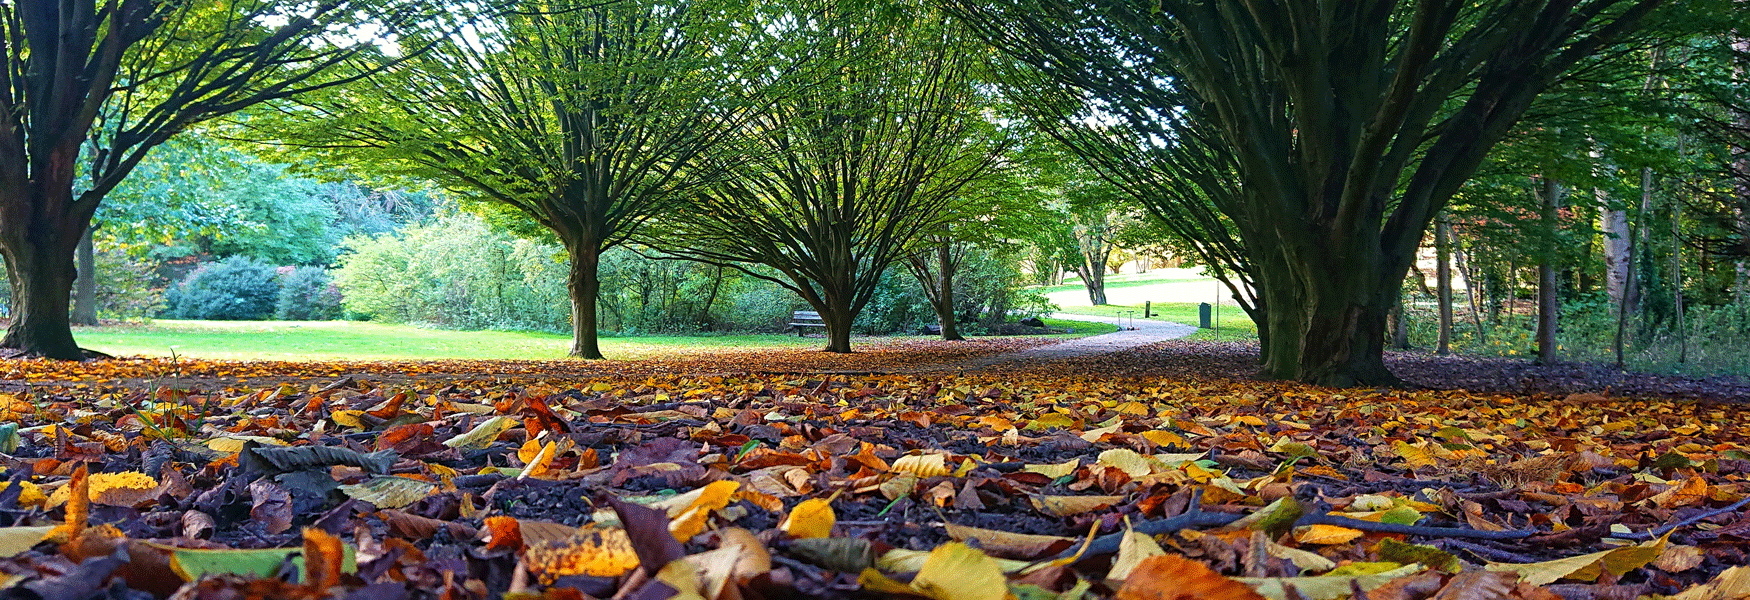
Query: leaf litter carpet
[{"x": 1154, "y": 472}]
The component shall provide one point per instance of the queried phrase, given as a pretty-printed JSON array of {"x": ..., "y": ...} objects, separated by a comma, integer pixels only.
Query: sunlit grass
[{"x": 352, "y": 340}]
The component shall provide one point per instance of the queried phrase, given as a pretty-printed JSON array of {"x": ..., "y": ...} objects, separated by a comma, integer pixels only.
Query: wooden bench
[{"x": 803, "y": 319}]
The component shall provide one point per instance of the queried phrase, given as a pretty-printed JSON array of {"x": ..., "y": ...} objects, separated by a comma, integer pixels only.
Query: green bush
[
  {"x": 237, "y": 288},
  {"x": 307, "y": 294},
  {"x": 456, "y": 273},
  {"x": 128, "y": 288}
]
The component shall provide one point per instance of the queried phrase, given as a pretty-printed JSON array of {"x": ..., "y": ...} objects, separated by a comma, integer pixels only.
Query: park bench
[{"x": 803, "y": 319}]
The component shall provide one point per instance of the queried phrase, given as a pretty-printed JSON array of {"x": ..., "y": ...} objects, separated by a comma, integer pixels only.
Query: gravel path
[{"x": 1136, "y": 333}]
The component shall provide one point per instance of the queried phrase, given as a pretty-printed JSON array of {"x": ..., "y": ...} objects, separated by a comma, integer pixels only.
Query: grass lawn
[
  {"x": 1235, "y": 325},
  {"x": 1130, "y": 280},
  {"x": 349, "y": 340}
]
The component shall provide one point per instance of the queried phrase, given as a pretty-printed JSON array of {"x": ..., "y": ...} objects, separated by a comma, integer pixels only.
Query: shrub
[
  {"x": 128, "y": 288},
  {"x": 456, "y": 273},
  {"x": 307, "y": 294},
  {"x": 237, "y": 288}
]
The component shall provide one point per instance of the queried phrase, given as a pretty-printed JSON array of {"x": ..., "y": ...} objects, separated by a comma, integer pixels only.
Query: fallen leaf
[{"x": 1170, "y": 577}]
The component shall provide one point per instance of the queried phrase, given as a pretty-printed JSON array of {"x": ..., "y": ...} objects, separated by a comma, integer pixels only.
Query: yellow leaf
[
  {"x": 690, "y": 521},
  {"x": 1133, "y": 548},
  {"x": 1731, "y": 584},
  {"x": 1160, "y": 437},
  {"x": 1064, "y": 506},
  {"x": 955, "y": 571},
  {"x": 482, "y": 435},
  {"x": 31, "y": 495},
  {"x": 1054, "y": 471},
  {"x": 233, "y": 444},
  {"x": 595, "y": 550},
  {"x": 1586, "y": 567},
  {"x": 1132, "y": 408},
  {"x": 1129, "y": 461},
  {"x": 1416, "y": 455},
  {"x": 348, "y": 418},
  {"x": 1325, "y": 534},
  {"x": 112, "y": 489},
  {"x": 811, "y": 518},
  {"x": 922, "y": 465},
  {"x": 1048, "y": 421}
]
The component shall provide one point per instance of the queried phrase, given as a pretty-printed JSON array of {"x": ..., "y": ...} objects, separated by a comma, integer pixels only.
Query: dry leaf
[
  {"x": 811, "y": 518},
  {"x": 1169, "y": 577}
]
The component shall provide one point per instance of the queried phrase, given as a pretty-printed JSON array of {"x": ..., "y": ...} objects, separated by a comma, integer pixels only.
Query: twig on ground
[
  {"x": 1107, "y": 544},
  {"x": 1647, "y": 535},
  {"x": 1481, "y": 551},
  {"x": 1433, "y": 532}
]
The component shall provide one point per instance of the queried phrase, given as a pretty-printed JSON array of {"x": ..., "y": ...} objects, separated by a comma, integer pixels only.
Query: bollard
[
  {"x": 1203, "y": 320},
  {"x": 1146, "y": 309}
]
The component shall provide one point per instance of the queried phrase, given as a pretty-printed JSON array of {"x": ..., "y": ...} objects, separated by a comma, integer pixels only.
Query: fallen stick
[
  {"x": 1647, "y": 535},
  {"x": 1434, "y": 532}
]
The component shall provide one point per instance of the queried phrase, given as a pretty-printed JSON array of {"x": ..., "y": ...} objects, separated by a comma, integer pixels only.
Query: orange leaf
[
  {"x": 323, "y": 555},
  {"x": 1172, "y": 577},
  {"x": 506, "y": 534},
  {"x": 79, "y": 502}
]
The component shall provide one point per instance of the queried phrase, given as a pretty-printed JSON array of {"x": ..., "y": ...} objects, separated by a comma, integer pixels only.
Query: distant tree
[
  {"x": 838, "y": 179},
  {"x": 585, "y": 118},
  {"x": 92, "y": 87},
  {"x": 1312, "y": 143}
]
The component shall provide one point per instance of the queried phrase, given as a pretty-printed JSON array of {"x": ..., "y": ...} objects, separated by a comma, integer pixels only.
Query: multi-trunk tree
[
  {"x": 91, "y": 87},
  {"x": 1324, "y": 136},
  {"x": 586, "y": 118},
  {"x": 837, "y": 179}
]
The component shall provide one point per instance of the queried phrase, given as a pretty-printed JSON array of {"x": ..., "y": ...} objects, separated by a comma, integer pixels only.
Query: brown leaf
[
  {"x": 648, "y": 530},
  {"x": 270, "y": 505},
  {"x": 1478, "y": 585},
  {"x": 1171, "y": 577}
]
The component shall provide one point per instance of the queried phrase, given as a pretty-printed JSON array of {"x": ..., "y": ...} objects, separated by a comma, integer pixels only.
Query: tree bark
[
  {"x": 585, "y": 286},
  {"x": 945, "y": 296},
  {"x": 1326, "y": 315},
  {"x": 85, "y": 292},
  {"x": 1548, "y": 307},
  {"x": 1443, "y": 281},
  {"x": 838, "y": 327},
  {"x": 1400, "y": 326},
  {"x": 41, "y": 271}
]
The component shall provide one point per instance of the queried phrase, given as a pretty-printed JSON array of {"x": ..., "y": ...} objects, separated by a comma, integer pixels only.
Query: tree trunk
[
  {"x": 1326, "y": 314},
  {"x": 1631, "y": 291},
  {"x": 945, "y": 296},
  {"x": 838, "y": 326},
  {"x": 1548, "y": 308},
  {"x": 1400, "y": 326},
  {"x": 41, "y": 273},
  {"x": 710, "y": 299},
  {"x": 85, "y": 294},
  {"x": 38, "y": 243},
  {"x": 1443, "y": 281},
  {"x": 585, "y": 285}
]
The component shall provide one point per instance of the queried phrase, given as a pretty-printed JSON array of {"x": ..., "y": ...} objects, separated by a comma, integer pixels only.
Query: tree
[
  {"x": 91, "y": 88},
  {"x": 1345, "y": 127},
  {"x": 838, "y": 178},
  {"x": 585, "y": 118}
]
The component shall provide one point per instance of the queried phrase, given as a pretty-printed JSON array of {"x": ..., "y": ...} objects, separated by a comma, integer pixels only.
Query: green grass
[
  {"x": 1235, "y": 325},
  {"x": 349, "y": 340},
  {"x": 1079, "y": 329},
  {"x": 1131, "y": 280}
]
